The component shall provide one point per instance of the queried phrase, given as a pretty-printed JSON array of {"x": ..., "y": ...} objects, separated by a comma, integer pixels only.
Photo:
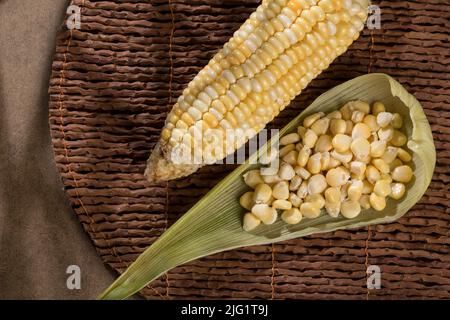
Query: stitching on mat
[
  {"x": 66, "y": 150},
  {"x": 366, "y": 262},
  {"x": 166, "y": 209},
  {"x": 372, "y": 44},
  {"x": 111, "y": 248},
  {"x": 272, "y": 276},
  {"x": 366, "y": 246}
]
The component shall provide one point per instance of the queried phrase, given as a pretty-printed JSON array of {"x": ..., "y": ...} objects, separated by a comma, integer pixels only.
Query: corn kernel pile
[{"x": 345, "y": 161}]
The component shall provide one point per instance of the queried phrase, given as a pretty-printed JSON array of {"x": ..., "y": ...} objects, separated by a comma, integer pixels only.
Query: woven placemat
[{"x": 112, "y": 84}]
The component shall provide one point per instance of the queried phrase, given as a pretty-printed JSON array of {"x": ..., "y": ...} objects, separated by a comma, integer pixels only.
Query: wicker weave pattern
[{"x": 112, "y": 84}]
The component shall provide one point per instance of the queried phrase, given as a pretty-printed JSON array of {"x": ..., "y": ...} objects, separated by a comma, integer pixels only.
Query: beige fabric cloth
[{"x": 39, "y": 234}]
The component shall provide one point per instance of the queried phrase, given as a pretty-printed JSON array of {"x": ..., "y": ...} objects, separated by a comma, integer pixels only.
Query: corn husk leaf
[{"x": 214, "y": 224}]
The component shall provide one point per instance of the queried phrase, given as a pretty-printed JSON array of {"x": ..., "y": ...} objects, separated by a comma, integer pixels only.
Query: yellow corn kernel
[
  {"x": 316, "y": 199},
  {"x": 381, "y": 165},
  {"x": 296, "y": 6},
  {"x": 165, "y": 134},
  {"x": 317, "y": 184},
  {"x": 377, "y": 202},
  {"x": 310, "y": 138},
  {"x": 377, "y": 148},
  {"x": 325, "y": 160},
  {"x": 187, "y": 119},
  {"x": 286, "y": 172},
  {"x": 359, "y": 105},
  {"x": 302, "y": 191},
  {"x": 227, "y": 102},
  {"x": 338, "y": 126},
  {"x": 268, "y": 156},
  {"x": 286, "y": 149},
  {"x": 320, "y": 126},
  {"x": 386, "y": 133},
  {"x": 403, "y": 155},
  {"x": 238, "y": 91},
  {"x": 281, "y": 204},
  {"x": 372, "y": 174},
  {"x": 337, "y": 177},
  {"x": 360, "y": 148},
  {"x": 371, "y": 121},
  {"x": 346, "y": 112},
  {"x": 397, "y": 190},
  {"x": 262, "y": 193},
  {"x": 250, "y": 222},
  {"x": 265, "y": 213},
  {"x": 398, "y": 139},
  {"x": 384, "y": 119},
  {"x": 394, "y": 164},
  {"x": 343, "y": 157},
  {"x": 309, "y": 120},
  {"x": 348, "y": 127},
  {"x": 367, "y": 187},
  {"x": 271, "y": 179},
  {"x": 377, "y": 108},
  {"x": 301, "y": 131},
  {"x": 390, "y": 154},
  {"x": 386, "y": 176},
  {"x": 291, "y": 157},
  {"x": 309, "y": 210},
  {"x": 357, "y": 116},
  {"x": 314, "y": 165},
  {"x": 361, "y": 130},
  {"x": 290, "y": 138},
  {"x": 402, "y": 174},
  {"x": 333, "y": 194},
  {"x": 295, "y": 199},
  {"x": 334, "y": 116},
  {"x": 246, "y": 200},
  {"x": 210, "y": 120},
  {"x": 350, "y": 209},
  {"x": 295, "y": 183},
  {"x": 382, "y": 188},
  {"x": 302, "y": 172},
  {"x": 333, "y": 208},
  {"x": 341, "y": 142},
  {"x": 354, "y": 191},
  {"x": 292, "y": 216},
  {"x": 173, "y": 119},
  {"x": 364, "y": 201},
  {"x": 303, "y": 156},
  {"x": 323, "y": 143},
  {"x": 281, "y": 190},
  {"x": 358, "y": 169},
  {"x": 218, "y": 106},
  {"x": 253, "y": 178},
  {"x": 333, "y": 163},
  {"x": 397, "y": 121}
]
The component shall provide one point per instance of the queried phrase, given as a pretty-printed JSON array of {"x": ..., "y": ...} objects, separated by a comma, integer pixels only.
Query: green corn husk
[{"x": 214, "y": 224}]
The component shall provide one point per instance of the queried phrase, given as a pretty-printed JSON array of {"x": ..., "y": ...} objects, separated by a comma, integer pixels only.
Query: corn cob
[{"x": 272, "y": 57}]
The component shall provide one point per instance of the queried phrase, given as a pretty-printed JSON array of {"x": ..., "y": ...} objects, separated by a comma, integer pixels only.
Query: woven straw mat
[{"x": 115, "y": 79}]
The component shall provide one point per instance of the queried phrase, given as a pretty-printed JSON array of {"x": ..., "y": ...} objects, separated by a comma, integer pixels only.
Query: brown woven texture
[{"x": 115, "y": 79}]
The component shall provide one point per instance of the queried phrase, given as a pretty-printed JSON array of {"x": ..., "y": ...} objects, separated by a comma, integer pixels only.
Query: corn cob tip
[{"x": 159, "y": 169}]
